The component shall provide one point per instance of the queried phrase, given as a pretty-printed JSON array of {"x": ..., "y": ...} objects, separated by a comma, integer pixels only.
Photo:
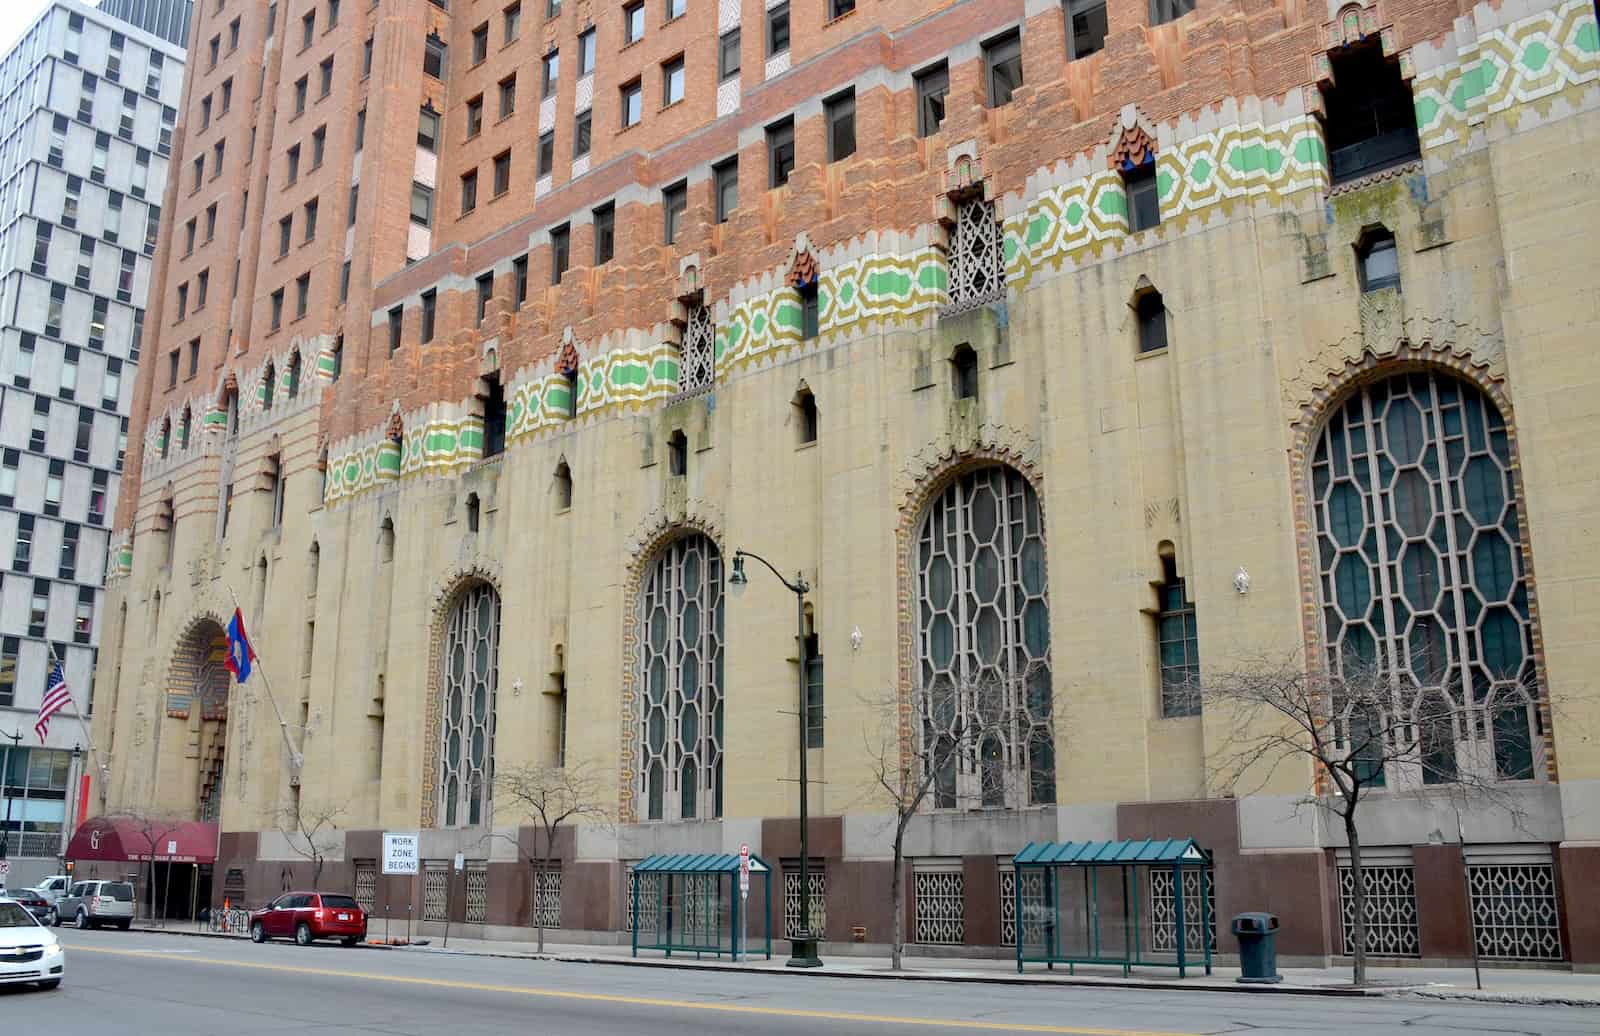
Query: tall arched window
[
  {"x": 268, "y": 385},
  {"x": 166, "y": 436},
  {"x": 983, "y": 643},
  {"x": 184, "y": 426},
  {"x": 469, "y": 680},
  {"x": 680, "y": 670},
  {"x": 1419, "y": 557},
  {"x": 292, "y": 378}
]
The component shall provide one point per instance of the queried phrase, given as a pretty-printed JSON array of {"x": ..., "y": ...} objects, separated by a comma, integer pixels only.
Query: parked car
[
  {"x": 53, "y": 887},
  {"x": 29, "y": 952},
  {"x": 33, "y": 901},
  {"x": 91, "y": 904},
  {"x": 309, "y": 916}
]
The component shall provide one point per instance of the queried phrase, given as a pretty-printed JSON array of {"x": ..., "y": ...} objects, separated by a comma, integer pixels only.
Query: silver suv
[{"x": 90, "y": 904}]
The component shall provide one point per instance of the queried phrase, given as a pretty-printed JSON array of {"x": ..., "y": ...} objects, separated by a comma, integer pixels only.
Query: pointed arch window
[
  {"x": 469, "y": 680},
  {"x": 184, "y": 426},
  {"x": 680, "y": 676},
  {"x": 291, "y": 380},
  {"x": 563, "y": 487},
  {"x": 1178, "y": 642},
  {"x": 983, "y": 642},
  {"x": 166, "y": 436},
  {"x": 1420, "y": 573},
  {"x": 268, "y": 385}
]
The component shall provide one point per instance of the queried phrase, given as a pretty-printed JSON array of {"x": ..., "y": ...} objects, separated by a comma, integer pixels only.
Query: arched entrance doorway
[{"x": 198, "y": 692}]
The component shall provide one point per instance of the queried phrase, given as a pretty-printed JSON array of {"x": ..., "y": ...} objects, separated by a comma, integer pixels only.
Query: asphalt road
[{"x": 120, "y": 982}]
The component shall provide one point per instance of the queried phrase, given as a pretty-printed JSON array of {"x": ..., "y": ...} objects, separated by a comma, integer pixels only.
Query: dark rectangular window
[
  {"x": 1370, "y": 122},
  {"x": 780, "y": 152},
  {"x": 430, "y": 301},
  {"x": 485, "y": 293},
  {"x": 674, "y": 201},
  {"x": 502, "y": 173},
  {"x": 480, "y": 43},
  {"x": 421, "y": 204},
  {"x": 932, "y": 86},
  {"x": 474, "y": 116},
  {"x": 632, "y": 103},
  {"x": 508, "y": 96},
  {"x": 728, "y": 56},
  {"x": 1002, "y": 64},
  {"x": 726, "y": 177},
  {"x": 1086, "y": 26},
  {"x": 302, "y": 294},
  {"x": 550, "y": 73},
  {"x": 511, "y": 18},
  {"x": 1163, "y": 11},
  {"x": 397, "y": 320},
  {"x": 433, "y": 55},
  {"x": 1152, "y": 314},
  {"x": 632, "y": 23},
  {"x": 605, "y": 233},
  {"x": 427, "y": 129},
  {"x": 547, "y": 153},
  {"x": 469, "y": 191},
  {"x": 585, "y": 52},
  {"x": 277, "y": 309},
  {"x": 777, "y": 29},
  {"x": 582, "y": 134},
  {"x": 840, "y": 113},
  {"x": 519, "y": 274},
  {"x": 1144, "y": 209},
  {"x": 560, "y": 252}
]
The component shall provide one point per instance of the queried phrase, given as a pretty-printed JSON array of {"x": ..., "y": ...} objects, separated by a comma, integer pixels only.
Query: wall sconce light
[{"x": 1241, "y": 581}]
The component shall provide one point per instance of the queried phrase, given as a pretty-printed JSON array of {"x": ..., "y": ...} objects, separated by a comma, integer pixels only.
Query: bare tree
[
  {"x": 548, "y": 798},
  {"x": 985, "y": 741},
  {"x": 153, "y": 829},
  {"x": 312, "y": 832},
  {"x": 1365, "y": 727}
]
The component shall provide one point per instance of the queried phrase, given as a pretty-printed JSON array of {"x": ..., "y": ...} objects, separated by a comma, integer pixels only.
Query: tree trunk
[
  {"x": 896, "y": 893},
  {"x": 1358, "y": 879}
]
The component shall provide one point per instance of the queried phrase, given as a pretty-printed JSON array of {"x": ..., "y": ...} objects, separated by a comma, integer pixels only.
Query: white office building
[{"x": 88, "y": 108}]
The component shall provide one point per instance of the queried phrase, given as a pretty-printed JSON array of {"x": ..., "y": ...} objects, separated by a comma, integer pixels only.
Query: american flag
[{"x": 56, "y": 697}]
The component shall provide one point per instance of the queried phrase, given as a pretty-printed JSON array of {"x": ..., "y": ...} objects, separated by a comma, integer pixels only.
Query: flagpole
[
  {"x": 295, "y": 758},
  {"x": 88, "y": 738}
]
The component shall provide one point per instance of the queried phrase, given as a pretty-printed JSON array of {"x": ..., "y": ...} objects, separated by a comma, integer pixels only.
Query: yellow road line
[{"x": 631, "y": 1001}]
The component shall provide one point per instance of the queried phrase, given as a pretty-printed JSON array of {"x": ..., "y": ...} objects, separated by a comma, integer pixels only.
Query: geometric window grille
[
  {"x": 977, "y": 263},
  {"x": 477, "y": 875},
  {"x": 983, "y": 643},
  {"x": 940, "y": 907},
  {"x": 680, "y": 668},
  {"x": 1179, "y": 646},
  {"x": 547, "y": 898},
  {"x": 366, "y": 884},
  {"x": 1514, "y": 911},
  {"x": 1419, "y": 559},
  {"x": 649, "y": 903},
  {"x": 817, "y": 901},
  {"x": 435, "y": 890},
  {"x": 471, "y": 665},
  {"x": 1391, "y": 910},
  {"x": 1164, "y": 912},
  {"x": 1034, "y": 910},
  {"x": 699, "y": 365}
]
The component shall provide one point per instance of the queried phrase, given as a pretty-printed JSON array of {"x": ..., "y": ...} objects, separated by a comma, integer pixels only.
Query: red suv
[{"x": 308, "y": 916}]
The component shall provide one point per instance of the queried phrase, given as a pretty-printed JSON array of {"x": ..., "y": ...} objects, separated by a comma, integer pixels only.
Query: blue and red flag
[{"x": 240, "y": 654}]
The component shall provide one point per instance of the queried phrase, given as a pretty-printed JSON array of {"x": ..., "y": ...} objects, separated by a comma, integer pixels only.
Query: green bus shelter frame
[
  {"x": 1126, "y": 858},
  {"x": 673, "y": 890}
]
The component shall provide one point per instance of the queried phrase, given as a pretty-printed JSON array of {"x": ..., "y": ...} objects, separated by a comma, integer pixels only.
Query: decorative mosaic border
[{"x": 1527, "y": 62}]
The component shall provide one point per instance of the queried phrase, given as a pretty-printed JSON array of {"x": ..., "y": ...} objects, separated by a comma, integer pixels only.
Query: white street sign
[
  {"x": 172, "y": 848},
  {"x": 461, "y": 862},
  {"x": 400, "y": 855},
  {"x": 744, "y": 871}
]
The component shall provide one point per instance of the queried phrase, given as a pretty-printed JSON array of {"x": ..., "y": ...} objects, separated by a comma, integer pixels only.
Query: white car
[{"x": 29, "y": 952}]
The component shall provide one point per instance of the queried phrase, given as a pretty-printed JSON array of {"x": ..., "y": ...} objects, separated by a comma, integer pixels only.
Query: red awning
[{"x": 138, "y": 840}]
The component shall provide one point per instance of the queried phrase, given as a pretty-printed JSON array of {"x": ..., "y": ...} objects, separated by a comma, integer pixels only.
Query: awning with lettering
[{"x": 139, "y": 839}]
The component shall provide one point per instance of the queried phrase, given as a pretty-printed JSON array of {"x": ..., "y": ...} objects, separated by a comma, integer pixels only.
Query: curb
[{"x": 1067, "y": 982}]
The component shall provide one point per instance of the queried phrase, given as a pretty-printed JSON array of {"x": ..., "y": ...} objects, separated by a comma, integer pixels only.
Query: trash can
[{"x": 1258, "y": 951}]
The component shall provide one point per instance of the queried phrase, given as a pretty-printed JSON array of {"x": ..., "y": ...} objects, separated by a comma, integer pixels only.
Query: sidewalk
[{"x": 1520, "y": 986}]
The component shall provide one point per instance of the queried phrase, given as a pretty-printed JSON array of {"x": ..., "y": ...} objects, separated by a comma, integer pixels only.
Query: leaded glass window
[
  {"x": 1179, "y": 645},
  {"x": 471, "y": 661},
  {"x": 699, "y": 365},
  {"x": 680, "y": 664},
  {"x": 977, "y": 263},
  {"x": 983, "y": 643},
  {"x": 1420, "y": 571}
]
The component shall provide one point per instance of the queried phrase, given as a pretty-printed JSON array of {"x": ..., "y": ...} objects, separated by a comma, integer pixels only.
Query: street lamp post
[
  {"x": 5, "y": 777},
  {"x": 803, "y": 950}
]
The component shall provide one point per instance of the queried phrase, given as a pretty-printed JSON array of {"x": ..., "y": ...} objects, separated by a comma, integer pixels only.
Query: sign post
[
  {"x": 744, "y": 898},
  {"x": 399, "y": 857}
]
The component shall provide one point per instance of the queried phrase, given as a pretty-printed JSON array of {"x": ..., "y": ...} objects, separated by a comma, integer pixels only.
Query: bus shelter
[
  {"x": 1128, "y": 903},
  {"x": 691, "y": 903}
]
